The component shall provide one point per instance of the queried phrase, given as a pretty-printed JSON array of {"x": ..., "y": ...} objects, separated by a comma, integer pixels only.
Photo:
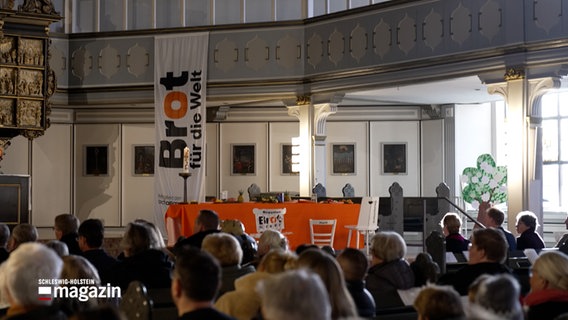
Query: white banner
[
  {"x": 180, "y": 80},
  {"x": 269, "y": 219}
]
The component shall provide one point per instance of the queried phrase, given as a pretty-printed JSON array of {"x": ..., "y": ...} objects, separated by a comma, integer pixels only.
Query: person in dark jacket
[
  {"x": 206, "y": 223},
  {"x": 487, "y": 255},
  {"x": 66, "y": 230},
  {"x": 91, "y": 236},
  {"x": 354, "y": 264},
  {"x": 527, "y": 223},
  {"x": 451, "y": 224},
  {"x": 389, "y": 270},
  {"x": 548, "y": 297},
  {"x": 142, "y": 262}
]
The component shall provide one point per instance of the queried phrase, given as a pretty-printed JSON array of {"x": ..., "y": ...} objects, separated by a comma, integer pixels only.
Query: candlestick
[{"x": 186, "y": 159}]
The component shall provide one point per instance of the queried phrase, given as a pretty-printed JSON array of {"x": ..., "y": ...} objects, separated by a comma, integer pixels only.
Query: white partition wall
[
  {"x": 348, "y": 133},
  {"x": 137, "y": 184},
  {"x": 432, "y": 154},
  {"x": 212, "y": 159},
  {"x": 52, "y": 170},
  {"x": 16, "y": 157},
  {"x": 98, "y": 196},
  {"x": 281, "y": 134},
  {"x": 395, "y": 133},
  {"x": 243, "y": 135}
]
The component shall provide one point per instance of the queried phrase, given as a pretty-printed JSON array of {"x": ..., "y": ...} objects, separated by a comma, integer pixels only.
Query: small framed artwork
[
  {"x": 286, "y": 165},
  {"x": 143, "y": 160},
  {"x": 394, "y": 158},
  {"x": 243, "y": 159},
  {"x": 95, "y": 160},
  {"x": 343, "y": 159}
]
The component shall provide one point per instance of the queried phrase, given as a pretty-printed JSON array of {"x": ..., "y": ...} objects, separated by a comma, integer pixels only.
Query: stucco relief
[
  {"x": 109, "y": 61},
  {"x": 433, "y": 29},
  {"x": 257, "y": 53},
  {"x": 358, "y": 42},
  {"x": 30, "y": 83},
  {"x": 288, "y": 51},
  {"x": 29, "y": 113},
  {"x": 6, "y": 112},
  {"x": 460, "y": 24},
  {"x": 226, "y": 55},
  {"x": 137, "y": 60},
  {"x": 382, "y": 38},
  {"x": 7, "y": 81},
  {"x": 30, "y": 52},
  {"x": 8, "y": 50},
  {"x": 315, "y": 50}
]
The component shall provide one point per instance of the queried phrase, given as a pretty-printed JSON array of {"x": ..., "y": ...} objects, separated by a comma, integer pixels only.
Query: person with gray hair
[
  {"x": 29, "y": 263},
  {"x": 389, "y": 270},
  {"x": 497, "y": 297},
  {"x": 59, "y": 247},
  {"x": 527, "y": 223},
  {"x": 22, "y": 233},
  {"x": 269, "y": 240},
  {"x": 4, "y": 236},
  {"x": 295, "y": 294},
  {"x": 548, "y": 297}
]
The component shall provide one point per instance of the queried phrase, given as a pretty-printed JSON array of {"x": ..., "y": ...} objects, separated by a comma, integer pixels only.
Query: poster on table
[{"x": 180, "y": 80}]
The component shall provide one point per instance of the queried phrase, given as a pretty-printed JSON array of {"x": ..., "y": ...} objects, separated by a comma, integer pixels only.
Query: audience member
[
  {"x": 389, "y": 270},
  {"x": 106, "y": 312},
  {"x": 439, "y": 302},
  {"x": 247, "y": 243},
  {"x": 562, "y": 244},
  {"x": 150, "y": 266},
  {"x": 22, "y": 233},
  {"x": 207, "y": 222},
  {"x": 157, "y": 240},
  {"x": 487, "y": 255},
  {"x": 77, "y": 267},
  {"x": 226, "y": 249},
  {"x": 244, "y": 302},
  {"x": 195, "y": 282},
  {"x": 451, "y": 224},
  {"x": 269, "y": 240},
  {"x": 305, "y": 246},
  {"x": 66, "y": 228},
  {"x": 59, "y": 247},
  {"x": 548, "y": 297},
  {"x": 425, "y": 269},
  {"x": 4, "y": 236},
  {"x": 495, "y": 219},
  {"x": 527, "y": 223},
  {"x": 25, "y": 266},
  {"x": 328, "y": 269},
  {"x": 296, "y": 294},
  {"x": 354, "y": 264},
  {"x": 496, "y": 297},
  {"x": 91, "y": 236}
]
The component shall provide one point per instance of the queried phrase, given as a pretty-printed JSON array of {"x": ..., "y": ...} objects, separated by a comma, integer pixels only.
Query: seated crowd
[{"x": 220, "y": 272}]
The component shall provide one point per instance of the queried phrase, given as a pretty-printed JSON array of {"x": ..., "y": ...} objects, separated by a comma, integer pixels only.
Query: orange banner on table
[{"x": 295, "y": 217}]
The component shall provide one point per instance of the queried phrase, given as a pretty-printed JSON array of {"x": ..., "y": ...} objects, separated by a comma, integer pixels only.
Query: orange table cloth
[{"x": 296, "y": 219}]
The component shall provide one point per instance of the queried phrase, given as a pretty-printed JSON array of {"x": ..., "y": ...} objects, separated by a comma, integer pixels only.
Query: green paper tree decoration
[{"x": 486, "y": 183}]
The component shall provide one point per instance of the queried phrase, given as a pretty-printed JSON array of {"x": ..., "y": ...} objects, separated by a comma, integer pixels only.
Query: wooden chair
[{"x": 322, "y": 232}]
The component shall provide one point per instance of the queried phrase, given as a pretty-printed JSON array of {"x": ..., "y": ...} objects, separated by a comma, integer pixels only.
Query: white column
[
  {"x": 520, "y": 95},
  {"x": 312, "y": 141}
]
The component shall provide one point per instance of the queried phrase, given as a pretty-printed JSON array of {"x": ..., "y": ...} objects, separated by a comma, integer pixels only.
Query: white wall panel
[
  {"x": 16, "y": 157},
  {"x": 395, "y": 132},
  {"x": 137, "y": 190},
  {"x": 52, "y": 171},
  {"x": 98, "y": 196},
  {"x": 212, "y": 160},
  {"x": 244, "y": 134},
  {"x": 348, "y": 133},
  {"x": 432, "y": 156},
  {"x": 281, "y": 133}
]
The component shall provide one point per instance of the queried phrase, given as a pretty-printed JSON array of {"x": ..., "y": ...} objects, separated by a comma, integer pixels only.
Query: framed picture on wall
[
  {"x": 243, "y": 159},
  {"x": 286, "y": 160},
  {"x": 343, "y": 159},
  {"x": 95, "y": 160},
  {"x": 394, "y": 158},
  {"x": 143, "y": 160}
]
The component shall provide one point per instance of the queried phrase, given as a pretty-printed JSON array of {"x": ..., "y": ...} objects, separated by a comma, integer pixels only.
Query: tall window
[{"x": 555, "y": 151}]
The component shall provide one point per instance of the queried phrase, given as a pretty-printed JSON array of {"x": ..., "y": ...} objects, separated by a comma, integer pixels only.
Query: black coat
[
  {"x": 362, "y": 298},
  {"x": 151, "y": 267},
  {"x": 530, "y": 239},
  {"x": 464, "y": 277},
  {"x": 103, "y": 262},
  {"x": 72, "y": 242}
]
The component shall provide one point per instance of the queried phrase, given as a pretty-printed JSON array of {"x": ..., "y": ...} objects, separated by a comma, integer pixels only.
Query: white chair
[
  {"x": 322, "y": 232},
  {"x": 367, "y": 223}
]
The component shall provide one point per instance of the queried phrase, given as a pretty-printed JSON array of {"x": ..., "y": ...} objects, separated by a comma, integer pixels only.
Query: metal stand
[{"x": 184, "y": 175}]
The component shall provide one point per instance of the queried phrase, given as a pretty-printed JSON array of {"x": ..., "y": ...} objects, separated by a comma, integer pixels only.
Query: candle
[{"x": 186, "y": 159}]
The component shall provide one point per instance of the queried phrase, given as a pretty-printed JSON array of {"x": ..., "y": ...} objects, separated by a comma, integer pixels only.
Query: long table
[{"x": 180, "y": 218}]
